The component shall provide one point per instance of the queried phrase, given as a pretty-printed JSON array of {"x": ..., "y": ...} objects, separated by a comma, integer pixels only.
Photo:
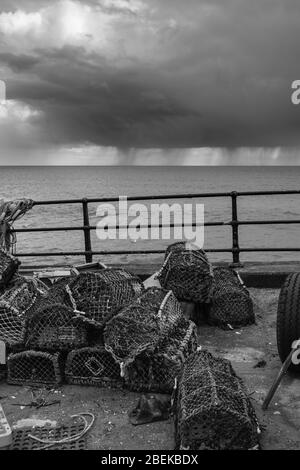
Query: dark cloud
[
  {"x": 18, "y": 63},
  {"x": 176, "y": 74}
]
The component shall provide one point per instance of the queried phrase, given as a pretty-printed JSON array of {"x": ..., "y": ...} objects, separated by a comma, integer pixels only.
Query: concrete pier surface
[{"x": 253, "y": 353}]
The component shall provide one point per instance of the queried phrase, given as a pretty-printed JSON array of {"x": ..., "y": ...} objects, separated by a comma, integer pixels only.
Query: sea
[{"x": 52, "y": 183}]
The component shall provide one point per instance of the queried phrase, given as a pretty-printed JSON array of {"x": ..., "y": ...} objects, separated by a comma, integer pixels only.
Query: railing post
[
  {"x": 235, "y": 231},
  {"x": 87, "y": 232}
]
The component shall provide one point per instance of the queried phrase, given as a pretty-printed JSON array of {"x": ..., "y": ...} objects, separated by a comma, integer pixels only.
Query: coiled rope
[{"x": 10, "y": 211}]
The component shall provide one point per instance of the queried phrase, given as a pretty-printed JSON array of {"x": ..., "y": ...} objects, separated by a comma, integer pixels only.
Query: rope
[
  {"x": 10, "y": 211},
  {"x": 49, "y": 442}
]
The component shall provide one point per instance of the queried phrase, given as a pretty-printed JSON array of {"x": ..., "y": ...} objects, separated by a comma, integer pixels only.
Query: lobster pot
[
  {"x": 56, "y": 294},
  {"x": 213, "y": 409},
  {"x": 93, "y": 366},
  {"x": 231, "y": 305},
  {"x": 156, "y": 372},
  {"x": 53, "y": 327},
  {"x": 100, "y": 296},
  {"x": 8, "y": 267},
  {"x": 34, "y": 368},
  {"x": 16, "y": 305},
  {"x": 187, "y": 272},
  {"x": 59, "y": 291},
  {"x": 142, "y": 325}
]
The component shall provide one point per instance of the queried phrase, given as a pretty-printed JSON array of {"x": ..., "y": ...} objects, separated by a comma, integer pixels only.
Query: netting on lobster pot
[
  {"x": 227, "y": 276},
  {"x": 140, "y": 326},
  {"x": 93, "y": 366},
  {"x": 58, "y": 291},
  {"x": 54, "y": 327},
  {"x": 99, "y": 296},
  {"x": 213, "y": 410},
  {"x": 231, "y": 306},
  {"x": 156, "y": 371},
  {"x": 187, "y": 272},
  {"x": 16, "y": 305},
  {"x": 8, "y": 267},
  {"x": 34, "y": 368}
]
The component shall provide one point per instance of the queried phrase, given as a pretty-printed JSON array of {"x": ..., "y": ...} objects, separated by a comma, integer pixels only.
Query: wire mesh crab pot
[
  {"x": 54, "y": 327},
  {"x": 34, "y": 368},
  {"x": 99, "y": 296},
  {"x": 232, "y": 306},
  {"x": 142, "y": 325},
  {"x": 8, "y": 267},
  {"x": 187, "y": 272},
  {"x": 213, "y": 409},
  {"x": 93, "y": 366},
  {"x": 16, "y": 305},
  {"x": 156, "y": 372}
]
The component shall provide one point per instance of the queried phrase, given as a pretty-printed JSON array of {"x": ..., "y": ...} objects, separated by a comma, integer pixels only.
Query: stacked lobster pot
[
  {"x": 35, "y": 368},
  {"x": 213, "y": 410},
  {"x": 67, "y": 319},
  {"x": 46, "y": 329},
  {"x": 98, "y": 298},
  {"x": 17, "y": 303},
  {"x": 232, "y": 306},
  {"x": 187, "y": 272},
  {"x": 93, "y": 366},
  {"x": 150, "y": 340}
]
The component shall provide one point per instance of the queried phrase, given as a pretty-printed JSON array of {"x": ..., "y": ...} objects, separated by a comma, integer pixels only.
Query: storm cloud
[{"x": 140, "y": 74}]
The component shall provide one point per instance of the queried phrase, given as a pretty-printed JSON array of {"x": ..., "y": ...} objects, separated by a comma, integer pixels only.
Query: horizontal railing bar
[
  {"x": 268, "y": 249},
  {"x": 206, "y": 224},
  {"x": 167, "y": 196},
  {"x": 267, "y": 222},
  {"x": 126, "y": 252},
  {"x": 131, "y": 198},
  {"x": 149, "y": 252},
  {"x": 94, "y": 227},
  {"x": 268, "y": 193},
  {"x": 49, "y": 229}
]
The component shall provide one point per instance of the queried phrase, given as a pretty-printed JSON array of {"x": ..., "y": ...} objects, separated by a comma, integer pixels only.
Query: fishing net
[
  {"x": 156, "y": 371},
  {"x": 52, "y": 327},
  {"x": 142, "y": 325},
  {"x": 8, "y": 267},
  {"x": 213, "y": 410},
  {"x": 34, "y": 368},
  {"x": 16, "y": 305},
  {"x": 99, "y": 296},
  {"x": 93, "y": 366},
  {"x": 187, "y": 272},
  {"x": 232, "y": 306}
]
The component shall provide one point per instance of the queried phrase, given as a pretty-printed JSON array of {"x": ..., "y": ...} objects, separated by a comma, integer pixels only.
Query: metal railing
[{"x": 235, "y": 223}]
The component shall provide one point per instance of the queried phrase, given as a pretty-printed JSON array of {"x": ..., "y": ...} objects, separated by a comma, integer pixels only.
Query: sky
[{"x": 149, "y": 82}]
